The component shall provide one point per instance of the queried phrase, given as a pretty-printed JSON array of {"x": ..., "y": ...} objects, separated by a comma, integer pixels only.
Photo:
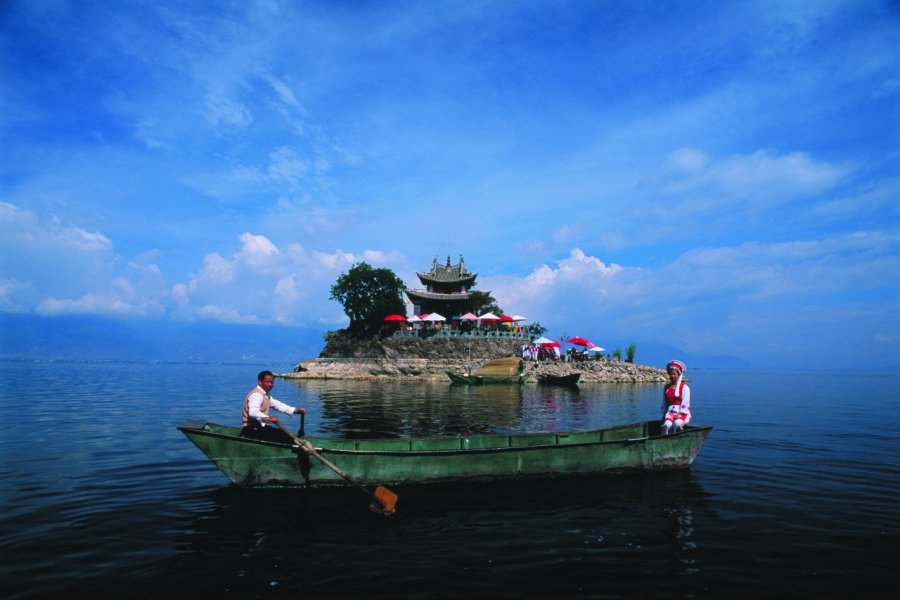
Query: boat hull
[
  {"x": 634, "y": 447},
  {"x": 485, "y": 379},
  {"x": 562, "y": 380}
]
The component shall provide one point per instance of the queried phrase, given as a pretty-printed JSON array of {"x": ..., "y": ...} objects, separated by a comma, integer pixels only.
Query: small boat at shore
[
  {"x": 569, "y": 380},
  {"x": 484, "y": 379},
  {"x": 623, "y": 448},
  {"x": 499, "y": 370}
]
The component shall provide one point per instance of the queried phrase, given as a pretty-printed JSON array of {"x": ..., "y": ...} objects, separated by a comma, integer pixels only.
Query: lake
[{"x": 796, "y": 492}]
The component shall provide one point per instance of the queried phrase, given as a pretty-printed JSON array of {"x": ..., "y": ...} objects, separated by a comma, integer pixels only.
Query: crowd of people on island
[
  {"x": 537, "y": 353},
  {"x": 542, "y": 352}
]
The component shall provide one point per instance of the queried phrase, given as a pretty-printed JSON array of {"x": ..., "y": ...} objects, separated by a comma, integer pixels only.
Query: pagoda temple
[{"x": 446, "y": 289}]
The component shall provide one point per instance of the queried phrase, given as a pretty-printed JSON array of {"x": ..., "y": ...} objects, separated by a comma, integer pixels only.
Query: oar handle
[{"x": 302, "y": 431}]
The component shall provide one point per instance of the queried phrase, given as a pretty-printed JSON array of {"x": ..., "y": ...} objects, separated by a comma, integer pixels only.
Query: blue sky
[{"x": 719, "y": 176}]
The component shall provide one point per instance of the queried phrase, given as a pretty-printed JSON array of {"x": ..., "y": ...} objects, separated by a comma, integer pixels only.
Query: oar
[{"x": 384, "y": 501}]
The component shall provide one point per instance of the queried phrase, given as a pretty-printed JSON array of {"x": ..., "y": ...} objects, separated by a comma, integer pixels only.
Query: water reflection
[
  {"x": 550, "y": 408},
  {"x": 358, "y": 409},
  {"x": 255, "y": 539}
]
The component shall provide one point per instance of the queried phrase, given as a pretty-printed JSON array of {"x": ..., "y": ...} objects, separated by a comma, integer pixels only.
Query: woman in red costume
[{"x": 676, "y": 399}]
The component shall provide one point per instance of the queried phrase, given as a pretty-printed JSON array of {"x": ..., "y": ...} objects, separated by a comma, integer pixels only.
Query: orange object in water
[{"x": 385, "y": 501}]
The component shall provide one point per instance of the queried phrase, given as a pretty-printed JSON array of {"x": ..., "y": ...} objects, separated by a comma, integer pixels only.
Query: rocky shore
[{"x": 429, "y": 359}]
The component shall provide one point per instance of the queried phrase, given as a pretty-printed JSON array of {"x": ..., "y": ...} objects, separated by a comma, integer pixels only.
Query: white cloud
[
  {"x": 30, "y": 229},
  {"x": 689, "y": 160},
  {"x": 216, "y": 269},
  {"x": 284, "y": 92},
  {"x": 382, "y": 258},
  {"x": 763, "y": 178},
  {"x": 119, "y": 302},
  {"x": 286, "y": 289},
  {"x": 180, "y": 295},
  {"x": 261, "y": 282},
  {"x": 335, "y": 260},
  {"x": 286, "y": 165},
  {"x": 577, "y": 280},
  {"x": 221, "y": 109},
  {"x": 257, "y": 252},
  {"x": 225, "y": 315},
  {"x": 52, "y": 262},
  {"x": 709, "y": 297}
]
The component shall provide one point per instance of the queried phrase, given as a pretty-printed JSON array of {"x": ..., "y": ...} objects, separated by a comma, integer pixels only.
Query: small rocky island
[
  {"x": 428, "y": 360},
  {"x": 426, "y": 351}
]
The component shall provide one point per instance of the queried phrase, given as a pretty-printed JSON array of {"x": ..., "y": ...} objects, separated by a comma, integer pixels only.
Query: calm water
[{"x": 795, "y": 494}]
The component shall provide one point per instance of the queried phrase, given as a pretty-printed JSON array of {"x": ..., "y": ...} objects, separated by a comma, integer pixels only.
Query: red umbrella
[
  {"x": 553, "y": 344},
  {"x": 395, "y": 318},
  {"x": 579, "y": 341},
  {"x": 506, "y": 319}
]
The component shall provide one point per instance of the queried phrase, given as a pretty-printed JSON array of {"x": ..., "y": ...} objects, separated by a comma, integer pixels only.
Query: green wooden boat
[
  {"x": 569, "y": 380},
  {"x": 623, "y": 448},
  {"x": 499, "y": 370},
  {"x": 484, "y": 379}
]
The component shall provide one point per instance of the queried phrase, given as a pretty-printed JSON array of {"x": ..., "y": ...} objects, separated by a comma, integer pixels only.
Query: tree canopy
[
  {"x": 368, "y": 295},
  {"x": 482, "y": 302}
]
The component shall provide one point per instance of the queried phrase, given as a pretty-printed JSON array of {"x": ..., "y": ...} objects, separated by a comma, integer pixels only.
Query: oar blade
[{"x": 385, "y": 502}]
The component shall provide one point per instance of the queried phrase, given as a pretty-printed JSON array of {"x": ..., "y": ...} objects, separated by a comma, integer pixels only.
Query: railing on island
[{"x": 456, "y": 334}]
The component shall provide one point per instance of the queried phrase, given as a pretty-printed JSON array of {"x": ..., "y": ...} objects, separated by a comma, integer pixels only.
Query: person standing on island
[
  {"x": 256, "y": 411},
  {"x": 676, "y": 399}
]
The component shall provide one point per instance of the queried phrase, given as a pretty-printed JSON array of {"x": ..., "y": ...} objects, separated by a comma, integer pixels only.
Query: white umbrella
[
  {"x": 596, "y": 349},
  {"x": 414, "y": 319},
  {"x": 519, "y": 318},
  {"x": 489, "y": 317},
  {"x": 434, "y": 317},
  {"x": 541, "y": 340},
  {"x": 468, "y": 317}
]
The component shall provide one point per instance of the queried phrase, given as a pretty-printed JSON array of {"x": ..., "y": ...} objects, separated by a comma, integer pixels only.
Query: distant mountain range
[
  {"x": 658, "y": 354},
  {"x": 30, "y": 337}
]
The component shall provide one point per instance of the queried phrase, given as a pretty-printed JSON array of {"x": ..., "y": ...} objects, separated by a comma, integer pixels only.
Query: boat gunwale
[{"x": 699, "y": 429}]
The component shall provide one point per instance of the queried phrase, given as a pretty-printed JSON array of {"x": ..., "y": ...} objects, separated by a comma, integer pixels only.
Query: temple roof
[
  {"x": 426, "y": 295},
  {"x": 447, "y": 273}
]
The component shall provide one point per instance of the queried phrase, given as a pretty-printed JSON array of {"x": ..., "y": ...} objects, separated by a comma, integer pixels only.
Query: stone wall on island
[{"x": 429, "y": 359}]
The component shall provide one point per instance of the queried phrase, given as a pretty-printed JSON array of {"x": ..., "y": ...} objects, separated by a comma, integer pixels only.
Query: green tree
[
  {"x": 536, "y": 329},
  {"x": 630, "y": 352},
  {"x": 368, "y": 295},
  {"x": 482, "y": 302}
]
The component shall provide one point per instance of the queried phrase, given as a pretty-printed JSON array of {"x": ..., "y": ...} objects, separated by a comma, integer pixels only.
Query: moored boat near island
[
  {"x": 484, "y": 379},
  {"x": 623, "y": 448},
  {"x": 498, "y": 370},
  {"x": 569, "y": 380}
]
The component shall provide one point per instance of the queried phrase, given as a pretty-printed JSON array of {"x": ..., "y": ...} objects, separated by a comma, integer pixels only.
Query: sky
[{"x": 719, "y": 176}]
